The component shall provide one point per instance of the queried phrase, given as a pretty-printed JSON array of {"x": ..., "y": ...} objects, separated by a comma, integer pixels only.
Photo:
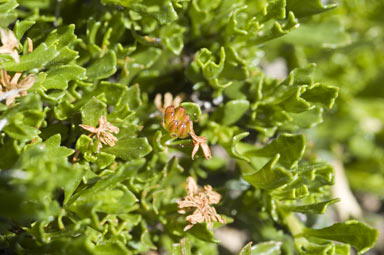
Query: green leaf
[
  {"x": 109, "y": 182},
  {"x": 37, "y": 59},
  {"x": 182, "y": 248},
  {"x": 52, "y": 151},
  {"x": 308, "y": 8},
  {"x": 321, "y": 94},
  {"x": 172, "y": 36},
  {"x": 329, "y": 34},
  {"x": 92, "y": 111},
  {"x": 265, "y": 248},
  {"x": 102, "y": 67},
  {"x": 129, "y": 148},
  {"x": 201, "y": 231},
  {"x": 23, "y": 118},
  {"x": 7, "y": 13},
  {"x": 268, "y": 177},
  {"x": 359, "y": 235},
  {"x": 316, "y": 208},
  {"x": 59, "y": 77},
  {"x": 290, "y": 147},
  {"x": 233, "y": 111},
  {"x": 21, "y": 27},
  {"x": 192, "y": 109}
]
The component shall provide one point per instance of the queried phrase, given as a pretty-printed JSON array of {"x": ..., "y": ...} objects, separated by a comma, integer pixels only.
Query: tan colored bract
[
  {"x": 103, "y": 132},
  {"x": 10, "y": 44},
  {"x": 19, "y": 88},
  {"x": 161, "y": 105},
  {"x": 200, "y": 141},
  {"x": 200, "y": 200}
]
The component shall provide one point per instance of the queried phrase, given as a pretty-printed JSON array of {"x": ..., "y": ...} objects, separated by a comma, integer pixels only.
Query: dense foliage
[{"x": 285, "y": 92}]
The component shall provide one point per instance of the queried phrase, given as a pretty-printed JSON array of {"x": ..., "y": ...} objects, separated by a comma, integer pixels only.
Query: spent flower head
[
  {"x": 200, "y": 200},
  {"x": 10, "y": 44},
  {"x": 18, "y": 88},
  {"x": 103, "y": 132}
]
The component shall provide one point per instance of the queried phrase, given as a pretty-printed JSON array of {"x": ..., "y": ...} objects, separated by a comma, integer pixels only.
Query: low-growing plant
[{"x": 173, "y": 126}]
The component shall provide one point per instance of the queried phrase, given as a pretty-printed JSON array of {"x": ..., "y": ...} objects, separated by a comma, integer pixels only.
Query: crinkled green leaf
[
  {"x": 328, "y": 35},
  {"x": 290, "y": 148},
  {"x": 21, "y": 27},
  {"x": 7, "y": 13},
  {"x": 316, "y": 208},
  {"x": 110, "y": 181},
  {"x": 345, "y": 232},
  {"x": 58, "y": 78},
  {"x": 92, "y": 111},
  {"x": 38, "y": 58},
  {"x": 102, "y": 67},
  {"x": 172, "y": 36},
  {"x": 308, "y": 8},
  {"x": 202, "y": 232},
  {"x": 23, "y": 119},
  {"x": 233, "y": 111},
  {"x": 129, "y": 148},
  {"x": 268, "y": 177}
]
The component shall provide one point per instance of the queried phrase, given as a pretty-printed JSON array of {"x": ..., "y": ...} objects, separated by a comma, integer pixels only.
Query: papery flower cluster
[
  {"x": 11, "y": 88},
  {"x": 103, "y": 132},
  {"x": 200, "y": 200},
  {"x": 10, "y": 44}
]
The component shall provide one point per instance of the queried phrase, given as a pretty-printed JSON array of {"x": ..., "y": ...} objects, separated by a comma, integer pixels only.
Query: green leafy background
[{"x": 274, "y": 131}]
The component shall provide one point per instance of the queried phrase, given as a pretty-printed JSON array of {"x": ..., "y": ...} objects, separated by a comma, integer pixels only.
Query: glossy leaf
[
  {"x": 346, "y": 233},
  {"x": 316, "y": 208}
]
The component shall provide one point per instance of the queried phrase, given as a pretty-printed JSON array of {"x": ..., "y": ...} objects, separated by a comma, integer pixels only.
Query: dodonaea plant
[{"x": 191, "y": 127}]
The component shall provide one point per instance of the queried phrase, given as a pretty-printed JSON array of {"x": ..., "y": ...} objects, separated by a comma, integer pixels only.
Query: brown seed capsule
[
  {"x": 172, "y": 128},
  {"x": 169, "y": 115},
  {"x": 182, "y": 130},
  {"x": 176, "y": 121},
  {"x": 180, "y": 113}
]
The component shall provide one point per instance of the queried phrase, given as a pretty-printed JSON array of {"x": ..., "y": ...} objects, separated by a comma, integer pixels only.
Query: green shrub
[{"x": 93, "y": 161}]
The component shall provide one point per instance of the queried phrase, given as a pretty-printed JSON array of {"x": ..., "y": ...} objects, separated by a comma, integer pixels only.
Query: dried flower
[
  {"x": 9, "y": 41},
  {"x": 17, "y": 88},
  {"x": 103, "y": 132},
  {"x": 168, "y": 101},
  {"x": 30, "y": 45},
  {"x": 200, "y": 200},
  {"x": 200, "y": 141}
]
